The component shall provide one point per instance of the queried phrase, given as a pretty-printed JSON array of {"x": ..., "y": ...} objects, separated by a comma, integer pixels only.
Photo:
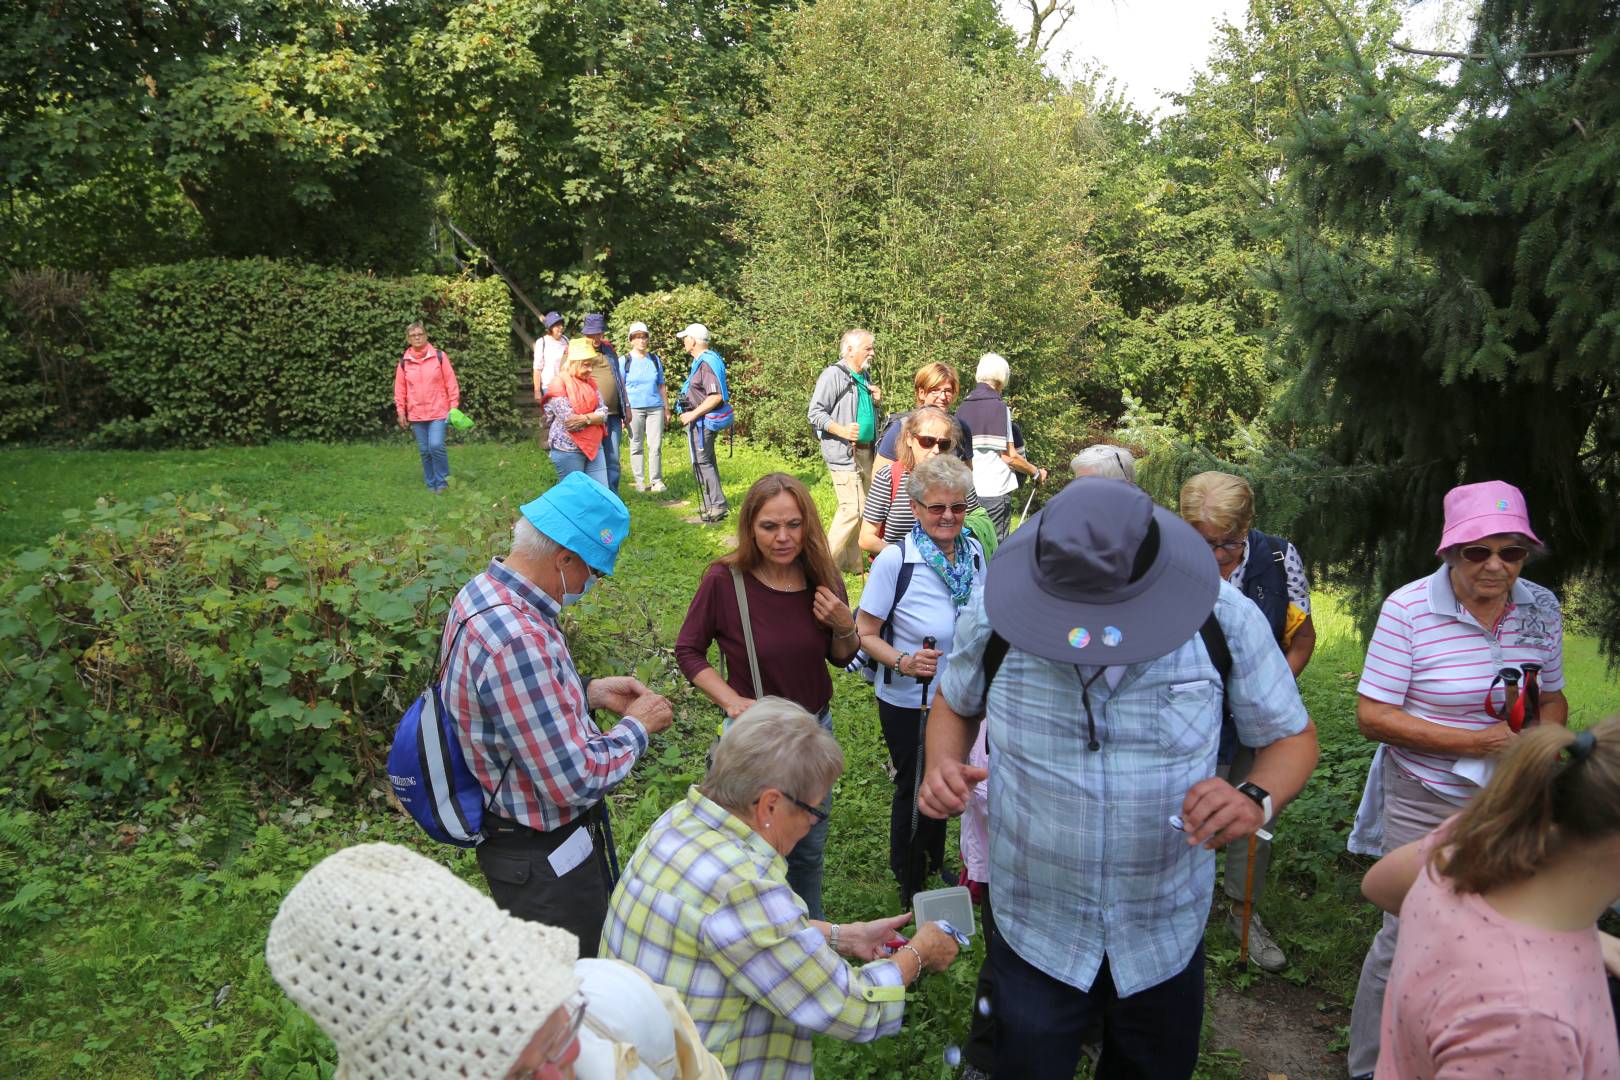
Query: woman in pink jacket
[{"x": 425, "y": 391}]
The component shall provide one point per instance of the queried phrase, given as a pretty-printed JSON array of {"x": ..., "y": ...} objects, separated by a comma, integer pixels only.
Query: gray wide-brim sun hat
[{"x": 1101, "y": 575}]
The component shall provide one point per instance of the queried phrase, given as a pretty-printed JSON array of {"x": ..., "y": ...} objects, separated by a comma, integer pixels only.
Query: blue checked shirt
[
  {"x": 516, "y": 697},
  {"x": 1083, "y": 860}
]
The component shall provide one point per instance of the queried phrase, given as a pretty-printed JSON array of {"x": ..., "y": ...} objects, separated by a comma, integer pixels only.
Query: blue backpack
[{"x": 429, "y": 774}]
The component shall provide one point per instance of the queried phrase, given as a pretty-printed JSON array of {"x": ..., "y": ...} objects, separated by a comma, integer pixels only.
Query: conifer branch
[{"x": 1583, "y": 50}]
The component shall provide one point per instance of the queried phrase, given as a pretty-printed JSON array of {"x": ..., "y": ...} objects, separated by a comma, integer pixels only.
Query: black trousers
[
  {"x": 1041, "y": 1022},
  {"x": 514, "y": 859},
  {"x": 900, "y": 733}
]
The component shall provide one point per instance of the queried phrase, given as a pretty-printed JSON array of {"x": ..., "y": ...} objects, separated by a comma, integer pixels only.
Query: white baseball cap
[
  {"x": 637, "y": 328},
  {"x": 696, "y": 330}
]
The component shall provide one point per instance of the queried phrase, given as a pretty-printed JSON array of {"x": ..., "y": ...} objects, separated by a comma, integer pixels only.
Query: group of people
[
  {"x": 1107, "y": 696},
  {"x": 590, "y": 397}
]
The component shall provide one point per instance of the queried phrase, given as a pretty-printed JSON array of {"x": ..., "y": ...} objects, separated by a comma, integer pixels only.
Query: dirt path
[{"x": 1280, "y": 1029}]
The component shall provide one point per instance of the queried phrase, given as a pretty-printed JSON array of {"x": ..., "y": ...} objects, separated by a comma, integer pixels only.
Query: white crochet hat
[{"x": 413, "y": 972}]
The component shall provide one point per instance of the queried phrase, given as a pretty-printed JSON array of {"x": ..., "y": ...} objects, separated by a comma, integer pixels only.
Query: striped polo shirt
[{"x": 1433, "y": 659}]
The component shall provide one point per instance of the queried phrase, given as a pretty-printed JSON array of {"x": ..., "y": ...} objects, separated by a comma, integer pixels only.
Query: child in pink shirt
[{"x": 1499, "y": 970}]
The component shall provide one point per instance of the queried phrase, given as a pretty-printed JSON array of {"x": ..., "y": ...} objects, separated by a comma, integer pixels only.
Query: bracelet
[
  {"x": 899, "y": 663},
  {"x": 921, "y": 967},
  {"x": 850, "y": 633},
  {"x": 832, "y": 939}
]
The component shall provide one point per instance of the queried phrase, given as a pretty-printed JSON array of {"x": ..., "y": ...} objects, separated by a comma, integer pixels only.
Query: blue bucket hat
[
  {"x": 551, "y": 319},
  {"x": 595, "y": 323},
  {"x": 584, "y": 517}
]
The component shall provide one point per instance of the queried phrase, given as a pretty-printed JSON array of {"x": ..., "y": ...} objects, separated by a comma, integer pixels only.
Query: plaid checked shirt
[
  {"x": 1083, "y": 861},
  {"x": 704, "y": 908},
  {"x": 516, "y": 697}
]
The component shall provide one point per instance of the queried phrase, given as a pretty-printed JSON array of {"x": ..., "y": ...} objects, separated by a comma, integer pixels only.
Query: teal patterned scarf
[{"x": 957, "y": 573}]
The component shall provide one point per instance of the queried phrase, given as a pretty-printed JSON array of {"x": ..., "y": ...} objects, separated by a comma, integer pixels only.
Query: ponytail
[{"x": 1552, "y": 787}]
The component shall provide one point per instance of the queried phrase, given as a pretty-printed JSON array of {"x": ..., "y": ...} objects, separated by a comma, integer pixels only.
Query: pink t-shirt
[{"x": 1474, "y": 994}]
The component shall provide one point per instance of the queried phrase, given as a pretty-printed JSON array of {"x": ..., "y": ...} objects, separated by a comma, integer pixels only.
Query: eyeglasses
[
  {"x": 939, "y": 509},
  {"x": 1478, "y": 553},
  {"x": 814, "y": 811},
  {"x": 561, "y": 1045},
  {"x": 928, "y": 442},
  {"x": 1225, "y": 547}
]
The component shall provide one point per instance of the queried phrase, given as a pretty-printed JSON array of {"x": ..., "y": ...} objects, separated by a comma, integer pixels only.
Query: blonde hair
[
  {"x": 932, "y": 376},
  {"x": 914, "y": 420},
  {"x": 1552, "y": 788},
  {"x": 774, "y": 744},
  {"x": 1219, "y": 499}
]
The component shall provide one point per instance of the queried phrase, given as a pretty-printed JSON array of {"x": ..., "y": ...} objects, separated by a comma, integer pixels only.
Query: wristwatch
[{"x": 1259, "y": 795}]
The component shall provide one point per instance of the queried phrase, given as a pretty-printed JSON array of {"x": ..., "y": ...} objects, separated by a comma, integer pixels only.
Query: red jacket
[{"x": 425, "y": 389}]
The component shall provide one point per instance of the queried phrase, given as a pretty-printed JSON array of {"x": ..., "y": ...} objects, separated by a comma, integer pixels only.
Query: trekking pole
[
  {"x": 1027, "y": 504},
  {"x": 1248, "y": 902},
  {"x": 917, "y": 862}
]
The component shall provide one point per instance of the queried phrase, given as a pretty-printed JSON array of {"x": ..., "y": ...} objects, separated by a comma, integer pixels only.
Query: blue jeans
[
  {"x": 572, "y": 461},
  {"x": 804, "y": 862},
  {"x": 1041, "y": 1022},
  {"x": 610, "y": 451},
  {"x": 435, "y": 458}
]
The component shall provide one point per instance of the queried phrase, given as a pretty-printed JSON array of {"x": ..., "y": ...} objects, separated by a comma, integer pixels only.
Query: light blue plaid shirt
[{"x": 1083, "y": 861}]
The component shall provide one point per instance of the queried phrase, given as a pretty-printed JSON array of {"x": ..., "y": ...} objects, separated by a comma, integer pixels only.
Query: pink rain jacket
[{"x": 425, "y": 389}]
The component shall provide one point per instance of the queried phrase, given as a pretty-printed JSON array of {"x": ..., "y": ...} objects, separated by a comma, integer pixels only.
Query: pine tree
[{"x": 1451, "y": 294}]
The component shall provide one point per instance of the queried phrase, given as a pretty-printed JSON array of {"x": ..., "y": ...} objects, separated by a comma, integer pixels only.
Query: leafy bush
[
  {"x": 216, "y": 351},
  {"x": 182, "y": 632}
]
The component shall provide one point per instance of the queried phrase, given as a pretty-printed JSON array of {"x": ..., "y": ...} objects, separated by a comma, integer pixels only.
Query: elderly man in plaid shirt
[
  {"x": 1105, "y": 809},
  {"x": 524, "y": 713},
  {"x": 704, "y": 908}
]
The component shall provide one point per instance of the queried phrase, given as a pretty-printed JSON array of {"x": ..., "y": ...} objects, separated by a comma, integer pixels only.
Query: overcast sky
[{"x": 1152, "y": 46}]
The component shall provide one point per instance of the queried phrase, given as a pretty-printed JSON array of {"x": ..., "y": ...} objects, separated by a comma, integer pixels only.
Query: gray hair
[
  {"x": 993, "y": 369},
  {"x": 1114, "y": 462},
  {"x": 943, "y": 471},
  {"x": 775, "y": 744},
  {"x": 416, "y": 326},
  {"x": 1453, "y": 554},
  {"x": 850, "y": 337},
  {"x": 529, "y": 542}
]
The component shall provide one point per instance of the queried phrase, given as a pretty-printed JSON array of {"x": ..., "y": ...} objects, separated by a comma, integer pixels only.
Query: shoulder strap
[
  {"x": 902, "y": 582},
  {"x": 748, "y": 631},
  {"x": 1220, "y": 654},
  {"x": 995, "y": 651}
]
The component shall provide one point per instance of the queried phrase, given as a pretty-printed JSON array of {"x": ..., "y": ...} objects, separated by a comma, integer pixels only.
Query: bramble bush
[
  {"x": 241, "y": 351},
  {"x": 164, "y": 640}
]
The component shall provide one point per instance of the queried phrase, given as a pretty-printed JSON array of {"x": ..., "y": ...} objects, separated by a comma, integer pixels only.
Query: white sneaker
[
  {"x": 1263, "y": 949},
  {"x": 656, "y": 486}
]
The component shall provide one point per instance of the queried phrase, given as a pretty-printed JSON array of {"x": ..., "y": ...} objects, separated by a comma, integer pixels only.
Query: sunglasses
[
  {"x": 939, "y": 509},
  {"x": 1478, "y": 553},
  {"x": 928, "y": 442}
]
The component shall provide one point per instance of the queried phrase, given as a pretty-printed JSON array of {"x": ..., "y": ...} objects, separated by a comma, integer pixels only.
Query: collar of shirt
[
  {"x": 1443, "y": 599},
  {"x": 524, "y": 589},
  {"x": 724, "y": 821}
]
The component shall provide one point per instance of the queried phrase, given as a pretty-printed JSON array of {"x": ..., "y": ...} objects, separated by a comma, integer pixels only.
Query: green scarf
[{"x": 865, "y": 412}]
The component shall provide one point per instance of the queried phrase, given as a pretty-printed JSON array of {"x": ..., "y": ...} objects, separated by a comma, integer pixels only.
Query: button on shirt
[
  {"x": 1431, "y": 658},
  {"x": 1083, "y": 860},
  {"x": 704, "y": 908},
  {"x": 513, "y": 691}
]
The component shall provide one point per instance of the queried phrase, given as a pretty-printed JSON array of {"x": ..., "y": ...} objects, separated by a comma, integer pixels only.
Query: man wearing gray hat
[
  {"x": 524, "y": 713},
  {"x": 1089, "y": 654}
]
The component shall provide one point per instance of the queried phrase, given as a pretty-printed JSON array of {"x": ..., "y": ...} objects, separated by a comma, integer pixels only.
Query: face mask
[{"x": 570, "y": 598}]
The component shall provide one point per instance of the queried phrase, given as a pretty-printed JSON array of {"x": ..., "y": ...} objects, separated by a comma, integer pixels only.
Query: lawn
[{"x": 131, "y": 939}]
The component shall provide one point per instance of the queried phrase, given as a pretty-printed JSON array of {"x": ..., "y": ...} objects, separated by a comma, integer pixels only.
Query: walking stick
[
  {"x": 1027, "y": 504},
  {"x": 1248, "y": 902},
  {"x": 917, "y": 861}
]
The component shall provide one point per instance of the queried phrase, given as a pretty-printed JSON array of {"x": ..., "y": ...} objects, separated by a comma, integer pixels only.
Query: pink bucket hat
[{"x": 1475, "y": 511}]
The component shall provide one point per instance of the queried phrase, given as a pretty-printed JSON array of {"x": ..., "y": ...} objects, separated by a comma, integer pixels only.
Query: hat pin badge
[
  {"x": 606, "y": 536},
  {"x": 1079, "y": 637},
  {"x": 1112, "y": 636},
  {"x": 1501, "y": 504}
]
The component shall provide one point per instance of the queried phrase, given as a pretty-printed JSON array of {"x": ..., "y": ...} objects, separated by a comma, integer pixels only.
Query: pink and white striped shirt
[{"x": 1433, "y": 659}]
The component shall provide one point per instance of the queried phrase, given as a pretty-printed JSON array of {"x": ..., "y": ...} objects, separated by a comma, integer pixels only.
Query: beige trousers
[{"x": 844, "y": 534}]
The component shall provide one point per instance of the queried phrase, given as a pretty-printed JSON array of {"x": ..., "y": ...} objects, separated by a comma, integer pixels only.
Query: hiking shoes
[{"x": 1263, "y": 948}]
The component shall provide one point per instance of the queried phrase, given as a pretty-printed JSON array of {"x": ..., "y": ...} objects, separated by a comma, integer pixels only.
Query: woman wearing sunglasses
[
  {"x": 1432, "y": 694},
  {"x": 916, "y": 589},
  {"x": 887, "y": 517}
]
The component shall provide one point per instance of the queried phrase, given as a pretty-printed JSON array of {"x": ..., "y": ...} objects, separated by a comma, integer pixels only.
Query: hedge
[
  {"x": 241, "y": 351},
  {"x": 669, "y": 312}
]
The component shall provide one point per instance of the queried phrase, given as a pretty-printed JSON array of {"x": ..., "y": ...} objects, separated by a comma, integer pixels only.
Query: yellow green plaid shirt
[{"x": 704, "y": 908}]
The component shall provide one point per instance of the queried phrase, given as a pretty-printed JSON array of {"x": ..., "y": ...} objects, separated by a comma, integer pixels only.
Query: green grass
[{"x": 113, "y": 952}]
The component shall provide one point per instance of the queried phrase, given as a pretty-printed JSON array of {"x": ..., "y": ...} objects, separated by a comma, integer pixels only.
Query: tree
[
  {"x": 1450, "y": 295},
  {"x": 942, "y": 204}
]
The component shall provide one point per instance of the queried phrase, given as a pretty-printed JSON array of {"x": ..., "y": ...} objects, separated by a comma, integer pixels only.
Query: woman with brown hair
[
  {"x": 935, "y": 384},
  {"x": 775, "y": 605},
  {"x": 887, "y": 517},
  {"x": 1499, "y": 969}
]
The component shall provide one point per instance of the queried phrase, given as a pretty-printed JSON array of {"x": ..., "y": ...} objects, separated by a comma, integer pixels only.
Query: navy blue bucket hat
[{"x": 1101, "y": 575}]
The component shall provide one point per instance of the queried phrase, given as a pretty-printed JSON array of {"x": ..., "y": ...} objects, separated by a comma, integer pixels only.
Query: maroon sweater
[{"x": 793, "y": 649}]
